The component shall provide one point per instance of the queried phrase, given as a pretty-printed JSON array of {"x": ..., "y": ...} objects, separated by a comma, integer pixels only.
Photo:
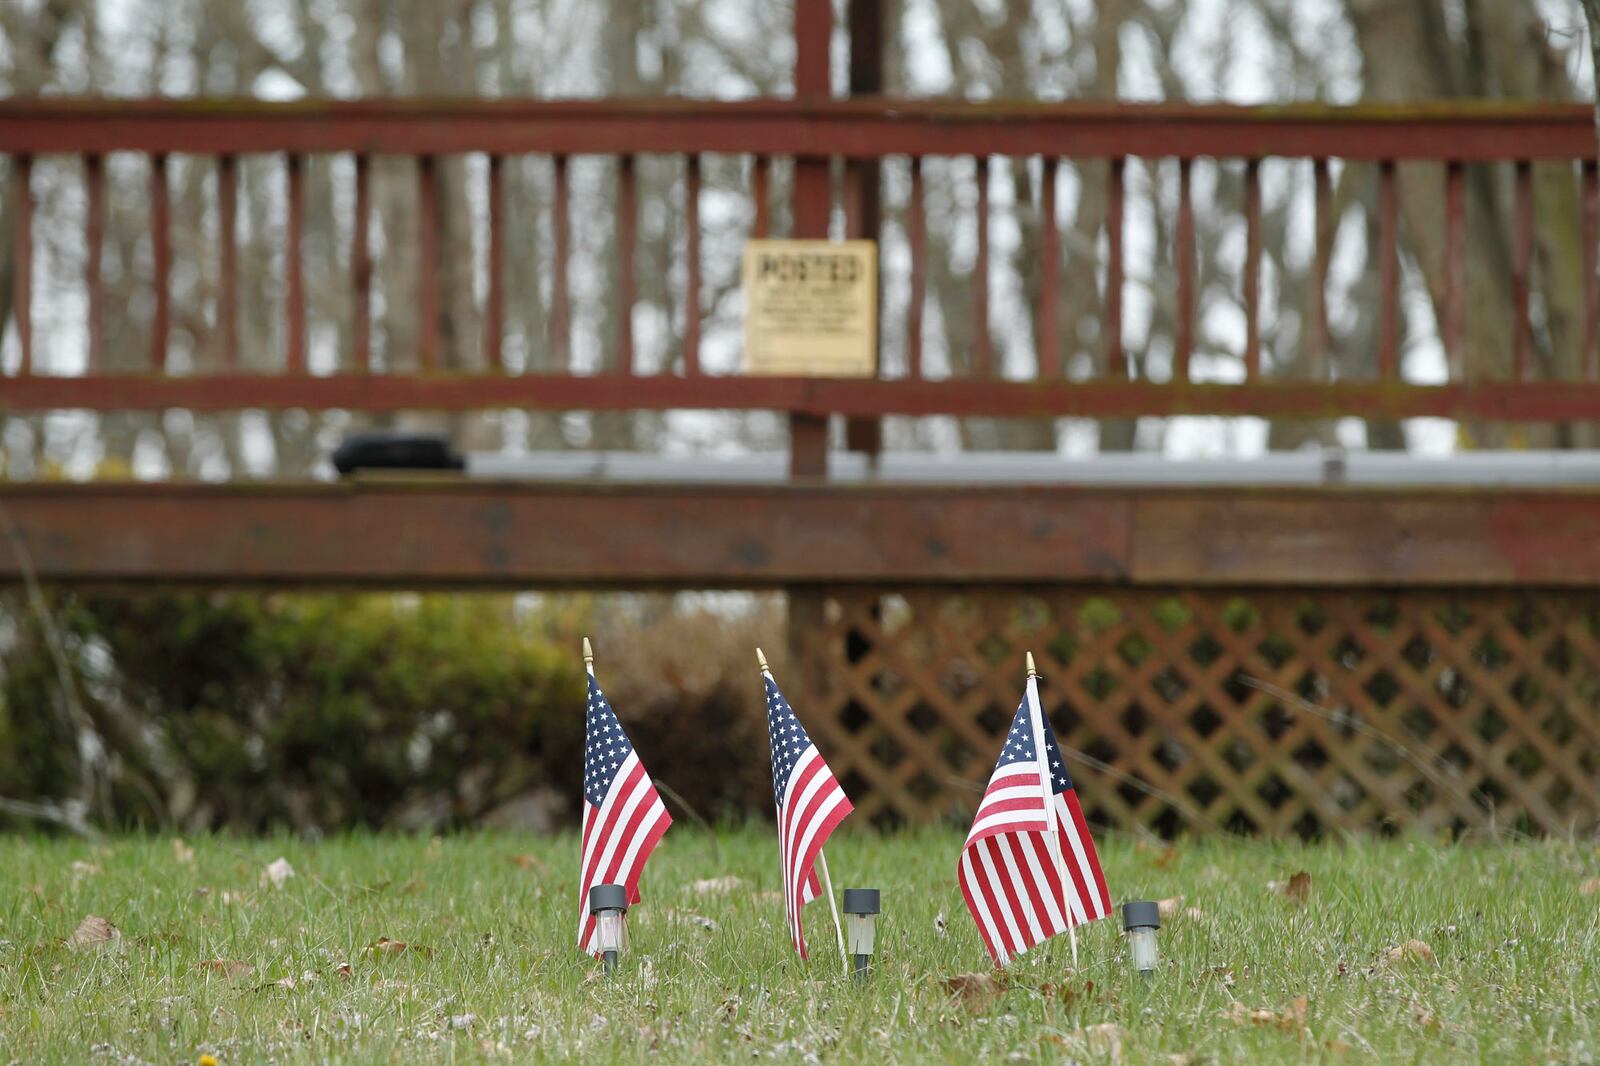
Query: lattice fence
[{"x": 1433, "y": 710}]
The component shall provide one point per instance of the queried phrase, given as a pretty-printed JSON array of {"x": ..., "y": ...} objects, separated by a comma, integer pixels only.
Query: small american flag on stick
[
  {"x": 810, "y": 806},
  {"x": 623, "y": 817},
  {"x": 1028, "y": 869}
]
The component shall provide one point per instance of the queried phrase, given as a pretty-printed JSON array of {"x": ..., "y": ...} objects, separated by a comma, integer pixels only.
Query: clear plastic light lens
[
  {"x": 1143, "y": 942},
  {"x": 608, "y": 930},
  {"x": 859, "y": 931}
]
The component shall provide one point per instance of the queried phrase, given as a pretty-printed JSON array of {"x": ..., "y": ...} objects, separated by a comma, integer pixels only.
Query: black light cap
[
  {"x": 861, "y": 901},
  {"x": 607, "y": 898},
  {"x": 1141, "y": 914},
  {"x": 395, "y": 451}
]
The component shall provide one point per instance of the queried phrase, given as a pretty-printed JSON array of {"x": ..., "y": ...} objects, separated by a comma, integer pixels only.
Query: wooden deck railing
[{"x": 1456, "y": 136}]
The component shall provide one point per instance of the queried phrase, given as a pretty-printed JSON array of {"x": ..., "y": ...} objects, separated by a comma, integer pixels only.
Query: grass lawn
[{"x": 1511, "y": 971}]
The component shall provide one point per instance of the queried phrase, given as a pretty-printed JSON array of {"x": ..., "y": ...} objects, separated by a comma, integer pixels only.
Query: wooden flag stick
[
  {"x": 1036, "y": 714},
  {"x": 833, "y": 905},
  {"x": 761, "y": 657}
]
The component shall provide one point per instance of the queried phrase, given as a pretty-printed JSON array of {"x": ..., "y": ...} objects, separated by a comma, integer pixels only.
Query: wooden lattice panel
[{"x": 1425, "y": 709}]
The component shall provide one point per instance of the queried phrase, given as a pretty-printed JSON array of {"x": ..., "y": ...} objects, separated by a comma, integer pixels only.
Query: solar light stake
[
  {"x": 1140, "y": 920},
  {"x": 609, "y": 905},
  {"x": 860, "y": 922}
]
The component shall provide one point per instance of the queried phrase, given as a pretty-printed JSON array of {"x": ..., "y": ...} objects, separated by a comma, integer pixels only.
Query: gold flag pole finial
[
  {"x": 761, "y": 657},
  {"x": 1033, "y": 671},
  {"x": 588, "y": 653}
]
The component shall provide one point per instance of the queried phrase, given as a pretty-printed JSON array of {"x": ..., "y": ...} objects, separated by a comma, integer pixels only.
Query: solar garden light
[
  {"x": 1140, "y": 920},
  {"x": 860, "y": 923},
  {"x": 609, "y": 905}
]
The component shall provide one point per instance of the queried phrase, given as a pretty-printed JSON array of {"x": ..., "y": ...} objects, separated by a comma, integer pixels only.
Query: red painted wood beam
[
  {"x": 456, "y": 532},
  {"x": 1530, "y": 401},
  {"x": 860, "y": 128}
]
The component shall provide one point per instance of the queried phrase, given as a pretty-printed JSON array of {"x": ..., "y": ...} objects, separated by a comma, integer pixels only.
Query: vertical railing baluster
[
  {"x": 761, "y": 193},
  {"x": 296, "y": 268},
  {"x": 1455, "y": 269},
  {"x": 228, "y": 258},
  {"x": 917, "y": 244},
  {"x": 1522, "y": 272},
  {"x": 22, "y": 280},
  {"x": 1252, "y": 269},
  {"x": 627, "y": 229},
  {"x": 1589, "y": 360},
  {"x": 1184, "y": 253},
  {"x": 428, "y": 261},
  {"x": 94, "y": 190},
  {"x": 161, "y": 260},
  {"x": 361, "y": 266},
  {"x": 691, "y": 293},
  {"x": 494, "y": 299},
  {"x": 1116, "y": 192},
  {"x": 1322, "y": 190},
  {"x": 982, "y": 350},
  {"x": 1388, "y": 272},
  {"x": 1048, "y": 336},
  {"x": 560, "y": 232}
]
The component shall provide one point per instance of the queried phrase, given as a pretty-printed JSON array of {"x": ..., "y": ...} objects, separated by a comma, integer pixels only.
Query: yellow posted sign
[{"x": 811, "y": 308}]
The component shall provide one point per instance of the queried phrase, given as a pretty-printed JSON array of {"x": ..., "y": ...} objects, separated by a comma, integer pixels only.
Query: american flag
[
  {"x": 1022, "y": 842},
  {"x": 810, "y": 806},
  {"x": 623, "y": 816}
]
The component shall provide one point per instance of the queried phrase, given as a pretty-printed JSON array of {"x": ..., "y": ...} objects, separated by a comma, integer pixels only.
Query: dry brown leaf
[
  {"x": 1289, "y": 1019},
  {"x": 1066, "y": 993},
  {"x": 1168, "y": 908},
  {"x": 384, "y": 947},
  {"x": 182, "y": 854},
  {"x": 530, "y": 862},
  {"x": 1299, "y": 887},
  {"x": 343, "y": 970},
  {"x": 973, "y": 990},
  {"x": 94, "y": 933},
  {"x": 277, "y": 872},
  {"x": 1410, "y": 951},
  {"x": 1589, "y": 887},
  {"x": 713, "y": 886},
  {"x": 1296, "y": 1010},
  {"x": 1166, "y": 858},
  {"x": 229, "y": 968}
]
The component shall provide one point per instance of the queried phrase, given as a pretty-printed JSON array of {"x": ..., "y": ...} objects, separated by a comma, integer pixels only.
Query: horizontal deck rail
[
  {"x": 1531, "y": 401},
  {"x": 861, "y": 128},
  {"x": 405, "y": 533},
  {"x": 1454, "y": 136}
]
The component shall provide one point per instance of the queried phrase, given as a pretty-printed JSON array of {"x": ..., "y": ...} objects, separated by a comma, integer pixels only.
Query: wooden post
[{"x": 813, "y": 200}]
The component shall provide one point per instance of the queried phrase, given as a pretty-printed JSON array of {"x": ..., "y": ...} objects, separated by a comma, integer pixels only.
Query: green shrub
[
  {"x": 247, "y": 711},
  {"x": 319, "y": 712}
]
